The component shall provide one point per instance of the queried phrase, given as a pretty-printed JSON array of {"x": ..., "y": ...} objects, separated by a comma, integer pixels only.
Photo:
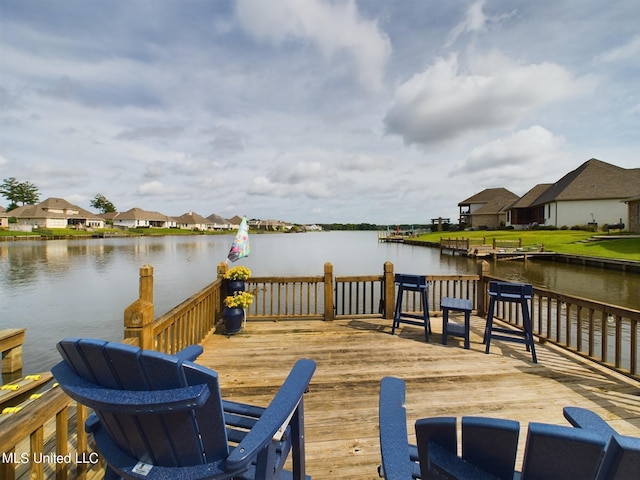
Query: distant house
[
  {"x": 271, "y": 225},
  {"x": 56, "y": 213},
  {"x": 4, "y": 218},
  {"x": 594, "y": 193},
  {"x": 193, "y": 221},
  {"x": 486, "y": 209},
  {"x": 235, "y": 221},
  {"x": 218, "y": 223},
  {"x": 138, "y": 218}
]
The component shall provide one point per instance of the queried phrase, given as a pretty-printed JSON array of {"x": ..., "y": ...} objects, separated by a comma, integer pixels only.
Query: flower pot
[
  {"x": 233, "y": 318},
  {"x": 235, "y": 286}
]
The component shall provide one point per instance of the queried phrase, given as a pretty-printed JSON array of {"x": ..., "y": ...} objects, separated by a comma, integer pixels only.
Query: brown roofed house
[
  {"x": 486, "y": 209},
  {"x": 592, "y": 194}
]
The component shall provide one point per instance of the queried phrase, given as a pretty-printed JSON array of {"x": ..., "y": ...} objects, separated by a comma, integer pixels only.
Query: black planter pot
[
  {"x": 233, "y": 318},
  {"x": 235, "y": 286}
]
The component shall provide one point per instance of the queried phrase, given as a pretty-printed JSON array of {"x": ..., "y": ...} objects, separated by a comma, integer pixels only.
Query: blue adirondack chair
[
  {"x": 159, "y": 416},
  {"x": 622, "y": 456},
  {"x": 556, "y": 452},
  {"x": 435, "y": 455},
  {"x": 489, "y": 447}
]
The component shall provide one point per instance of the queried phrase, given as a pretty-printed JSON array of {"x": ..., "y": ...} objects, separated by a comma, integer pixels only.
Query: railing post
[
  {"x": 11, "y": 341},
  {"x": 389, "y": 291},
  {"x": 483, "y": 270},
  {"x": 329, "y": 313},
  {"x": 138, "y": 317}
]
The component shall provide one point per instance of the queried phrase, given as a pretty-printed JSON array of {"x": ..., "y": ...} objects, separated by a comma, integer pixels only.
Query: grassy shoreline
[{"x": 570, "y": 242}]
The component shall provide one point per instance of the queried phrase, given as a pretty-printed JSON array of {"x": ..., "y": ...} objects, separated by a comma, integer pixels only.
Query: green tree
[
  {"x": 101, "y": 203},
  {"x": 17, "y": 192}
]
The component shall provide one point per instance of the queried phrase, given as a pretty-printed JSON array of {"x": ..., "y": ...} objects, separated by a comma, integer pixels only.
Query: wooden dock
[{"x": 353, "y": 355}]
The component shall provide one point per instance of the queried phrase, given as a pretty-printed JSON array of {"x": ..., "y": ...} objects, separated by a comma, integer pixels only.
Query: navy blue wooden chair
[
  {"x": 159, "y": 416},
  {"x": 489, "y": 447},
  {"x": 412, "y": 283},
  {"x": 507, "y": 292},
  {"x": 435, "y": 454},
  {"x": 622, "y": 456},
  {"x": 557, "y": 452}
]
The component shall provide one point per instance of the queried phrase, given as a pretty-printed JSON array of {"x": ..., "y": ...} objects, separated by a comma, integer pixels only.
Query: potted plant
[
  {"x": 234, "y": 314},
  {"x": 235, "y": 278}
]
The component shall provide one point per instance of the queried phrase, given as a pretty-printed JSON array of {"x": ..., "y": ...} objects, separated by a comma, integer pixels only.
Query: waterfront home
[
  {"x": 139, "y": 218},
  {"x": 270, "y": 225},
  {"x": 193, "y": 221},
  {"x": 216, "y": 222},
  {"x": 486, "y": 209},
  {"x": 235, "y": 221},
  {"x": 56, "y": 213},
  {"x": 592, "y": 194},
  {"x": 4, "y": 218}
]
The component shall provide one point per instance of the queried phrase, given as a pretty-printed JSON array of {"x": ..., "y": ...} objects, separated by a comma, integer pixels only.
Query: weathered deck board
[{"x": 353, "y": 355}]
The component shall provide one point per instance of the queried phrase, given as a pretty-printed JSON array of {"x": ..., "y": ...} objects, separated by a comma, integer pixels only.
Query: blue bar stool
[
  {"x": 515, "y": 293},
  {"x": 412, "y": 283}
]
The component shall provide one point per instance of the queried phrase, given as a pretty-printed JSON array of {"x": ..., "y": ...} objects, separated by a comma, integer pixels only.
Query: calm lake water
[{"x": 66, "y": 288}]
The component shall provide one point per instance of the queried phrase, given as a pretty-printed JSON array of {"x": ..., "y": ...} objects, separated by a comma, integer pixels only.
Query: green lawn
[{"x": 561, "y": 241}]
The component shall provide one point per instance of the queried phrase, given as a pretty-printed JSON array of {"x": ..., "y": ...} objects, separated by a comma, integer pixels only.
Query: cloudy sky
[{"x": 313, "y": 110}]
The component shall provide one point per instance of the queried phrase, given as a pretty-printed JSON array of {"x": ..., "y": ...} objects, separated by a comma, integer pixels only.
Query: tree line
[{"x": 26, "y": 193}]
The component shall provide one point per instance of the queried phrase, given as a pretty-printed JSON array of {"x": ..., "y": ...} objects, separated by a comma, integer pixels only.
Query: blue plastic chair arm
[
  {"x": 129, "y": 401},
  {"x": 583, "y": 418},
  {"x": 190, "y": 353},
  {"x": 281, "y": 407},
  {"x": 394, "y": 446}
]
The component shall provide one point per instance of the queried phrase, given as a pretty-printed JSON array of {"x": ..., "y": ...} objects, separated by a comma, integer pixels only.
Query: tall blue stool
[
  {"x": 412, "y": 283},
  {"x": 514, "y": 293}
]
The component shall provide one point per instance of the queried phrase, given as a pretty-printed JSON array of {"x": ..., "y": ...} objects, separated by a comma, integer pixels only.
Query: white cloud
[
  {"x": 446, "y": 102},
  {"x": 474, "y": 21},
  {"x": 628, "y": 51},
  {"x": 151, "y": 188},
  {"x": 509, "y": 160},
  {"x": 261, "y": 109},
  {"x": 333, "y": 28}
]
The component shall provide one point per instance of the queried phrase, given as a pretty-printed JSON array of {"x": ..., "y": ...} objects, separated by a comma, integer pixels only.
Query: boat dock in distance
[{"x": 502, "y": 249}]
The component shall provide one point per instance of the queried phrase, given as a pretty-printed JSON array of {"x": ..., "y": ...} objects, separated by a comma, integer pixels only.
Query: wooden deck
[{"x": 353, "y": 355}]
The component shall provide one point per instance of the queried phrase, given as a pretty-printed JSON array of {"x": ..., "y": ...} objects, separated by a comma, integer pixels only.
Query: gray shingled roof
[
  {"x": 531, "y": 196},
  {"x": 44, "y": 210},
  {"x": 217, "y": 219},
  {"x": 594, "y": 180},
  {"x": 501, "y": 195},
  {"x": 192, "y": 218},
  {"x": 140, "y": 214}
]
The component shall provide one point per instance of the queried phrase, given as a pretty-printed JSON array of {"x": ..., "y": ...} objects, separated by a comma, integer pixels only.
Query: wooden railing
[
  {"x": 187, "y": 323},
  {"x": 281, "y": 298},
  {"x": 29, "y": 448},
  {"x": 190, "y": 322},
  {"x": 607, "y": 334}
]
